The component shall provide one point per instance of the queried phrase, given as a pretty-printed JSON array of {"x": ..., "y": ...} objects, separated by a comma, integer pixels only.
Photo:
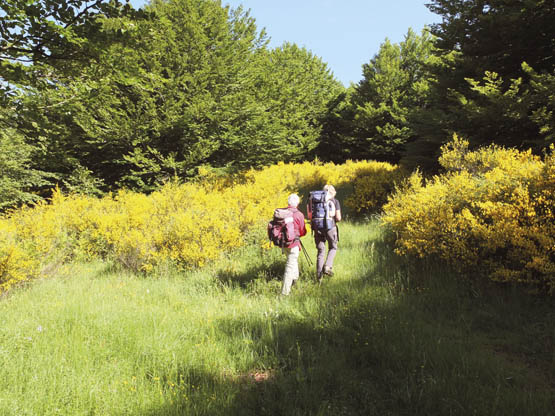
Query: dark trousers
[{"x": 320, "y": 238}]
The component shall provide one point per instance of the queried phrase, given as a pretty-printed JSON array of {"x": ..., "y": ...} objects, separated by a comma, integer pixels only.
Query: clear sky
[{"x": 344, "y": 33}]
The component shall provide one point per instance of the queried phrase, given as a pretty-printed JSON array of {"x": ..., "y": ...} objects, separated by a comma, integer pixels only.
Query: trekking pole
[{"x": 308, "y": 260}]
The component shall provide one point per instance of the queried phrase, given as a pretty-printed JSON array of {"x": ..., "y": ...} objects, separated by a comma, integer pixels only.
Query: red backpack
[{"x": 281, "y": 229}]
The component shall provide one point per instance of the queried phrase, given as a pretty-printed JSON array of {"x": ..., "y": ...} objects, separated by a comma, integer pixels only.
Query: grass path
[{"x": 381, "y": 337}]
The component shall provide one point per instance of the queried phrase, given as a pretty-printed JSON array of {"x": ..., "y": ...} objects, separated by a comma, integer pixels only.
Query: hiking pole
[{"x": 308, "y": 260}]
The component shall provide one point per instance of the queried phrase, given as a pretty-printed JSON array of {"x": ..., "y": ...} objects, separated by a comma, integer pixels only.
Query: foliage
[
  {"x": 47, "y": 50},
  {"x": 38, "y": 36},
  {"x": 154, "y": 104},
  {"x": 492, "y": 211},
  {"x": 542, "y": 103},
  {"x": 281, "y": 120},
  {"x": 484, "y": 87},
  {"x": 374, "y": 119},
  {"x": 185, "y": 225},
  {"x": 16, "y": 265},
  {"x": 514, "y": 105},
  {"x": 219, "y": 342},
  {"x": 17, "y": 176},
  {"x": 184, "y": 83},
  {"x": 372, "y": 186},
  {"x": 496, "y": 35}
]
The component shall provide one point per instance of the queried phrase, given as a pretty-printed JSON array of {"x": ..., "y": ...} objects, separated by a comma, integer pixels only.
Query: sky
[{"x": 345, "y": 34}]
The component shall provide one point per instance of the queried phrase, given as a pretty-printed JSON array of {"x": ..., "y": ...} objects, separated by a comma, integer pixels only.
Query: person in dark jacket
[{"x": 324, "y": 265}]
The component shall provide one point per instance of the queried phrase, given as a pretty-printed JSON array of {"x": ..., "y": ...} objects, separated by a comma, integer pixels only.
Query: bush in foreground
[{"x": 493, "y": 210}]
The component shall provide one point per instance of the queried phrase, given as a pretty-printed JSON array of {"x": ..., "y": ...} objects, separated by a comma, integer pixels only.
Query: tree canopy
[
  {"x": 374, "y": 119},
  {"x": 97, "y": 96},
  {"x": 487, "y": 82},
  {"x": 154, "y": 95}
]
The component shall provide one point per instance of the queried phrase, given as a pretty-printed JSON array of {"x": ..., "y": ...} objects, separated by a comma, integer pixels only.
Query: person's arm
[
  {"x": 301, "y": 224},
  {"x": 337, "y": 211}
]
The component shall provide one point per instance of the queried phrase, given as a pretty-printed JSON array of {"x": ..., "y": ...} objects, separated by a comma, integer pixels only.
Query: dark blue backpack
[{"x": 318, "y": 210}]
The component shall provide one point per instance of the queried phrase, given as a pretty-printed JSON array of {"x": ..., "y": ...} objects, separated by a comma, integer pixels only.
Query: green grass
[{"x": 383, "y": 336}]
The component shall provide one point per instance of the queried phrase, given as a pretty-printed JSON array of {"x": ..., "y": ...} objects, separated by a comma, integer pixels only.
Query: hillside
[{"x": 383, "y": 336}]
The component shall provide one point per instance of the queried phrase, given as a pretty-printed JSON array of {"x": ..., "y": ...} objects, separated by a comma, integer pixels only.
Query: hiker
[
  {"x": 324, "y": 212},
  {"x": 293, "y": 249}
]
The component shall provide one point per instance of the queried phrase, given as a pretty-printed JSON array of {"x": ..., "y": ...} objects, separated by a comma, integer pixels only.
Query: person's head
[
  {"x": 330, "y": 190},
  {"x": 293, "y": 200}
]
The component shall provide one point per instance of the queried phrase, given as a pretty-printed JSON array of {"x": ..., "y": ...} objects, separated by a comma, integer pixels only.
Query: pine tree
[
  {"x": 483, "y": 90},
  {"x": 374, "y": 121}
]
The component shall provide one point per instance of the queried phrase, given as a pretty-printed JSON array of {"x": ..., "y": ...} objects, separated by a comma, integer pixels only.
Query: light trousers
[{"x": 291, "y": 269}]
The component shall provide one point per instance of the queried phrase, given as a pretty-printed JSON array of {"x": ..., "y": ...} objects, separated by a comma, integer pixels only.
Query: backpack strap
[{"x": 326, "y": 215}]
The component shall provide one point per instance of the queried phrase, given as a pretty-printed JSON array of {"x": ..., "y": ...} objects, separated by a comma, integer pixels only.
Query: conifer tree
[
  {"x": 374, "y": 121},
  {"x": 495, "y": 62}
]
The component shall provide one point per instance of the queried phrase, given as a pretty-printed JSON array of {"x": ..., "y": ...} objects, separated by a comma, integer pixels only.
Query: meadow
[
  {"x": 385, "y": 336},
  {"x": 168, "y": 303}
]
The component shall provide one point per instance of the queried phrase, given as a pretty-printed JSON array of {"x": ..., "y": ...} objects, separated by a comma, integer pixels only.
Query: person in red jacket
[{"x": 292, "y": 251}]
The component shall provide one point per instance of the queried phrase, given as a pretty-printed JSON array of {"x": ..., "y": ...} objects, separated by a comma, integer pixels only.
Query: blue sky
[{"x": 344, "y": 33}]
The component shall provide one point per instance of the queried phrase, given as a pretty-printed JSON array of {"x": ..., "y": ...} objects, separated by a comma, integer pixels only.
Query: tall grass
[{"x": 383, "y": 336}]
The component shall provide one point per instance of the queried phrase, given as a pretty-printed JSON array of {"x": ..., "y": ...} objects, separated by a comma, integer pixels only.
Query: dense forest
[{"x": 97, "y": 96}]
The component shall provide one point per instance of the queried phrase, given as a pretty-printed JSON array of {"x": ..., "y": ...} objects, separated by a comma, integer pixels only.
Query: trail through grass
[{"x": 383, "y": 336}]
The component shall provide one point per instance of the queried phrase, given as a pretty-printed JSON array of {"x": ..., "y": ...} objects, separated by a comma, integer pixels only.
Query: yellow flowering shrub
[
  {"x": 186, "y": 225},
  {"x": 372, "y": 185},
  {"x": 43, "y": 231},
  {"x": 16, "y": 265},
  {"x": 493, "y": 210}
]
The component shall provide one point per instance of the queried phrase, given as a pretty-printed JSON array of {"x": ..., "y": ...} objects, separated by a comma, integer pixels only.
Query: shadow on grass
[
  {"x": 267, "y": 267},
  {"x": 367, "y": 357},
  {"x": 273, "y": 270},
  {"x": 387, "y": 348}
]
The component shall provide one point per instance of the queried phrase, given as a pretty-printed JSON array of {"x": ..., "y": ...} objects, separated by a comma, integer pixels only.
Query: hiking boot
[{"x": 328, "y": 271}]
